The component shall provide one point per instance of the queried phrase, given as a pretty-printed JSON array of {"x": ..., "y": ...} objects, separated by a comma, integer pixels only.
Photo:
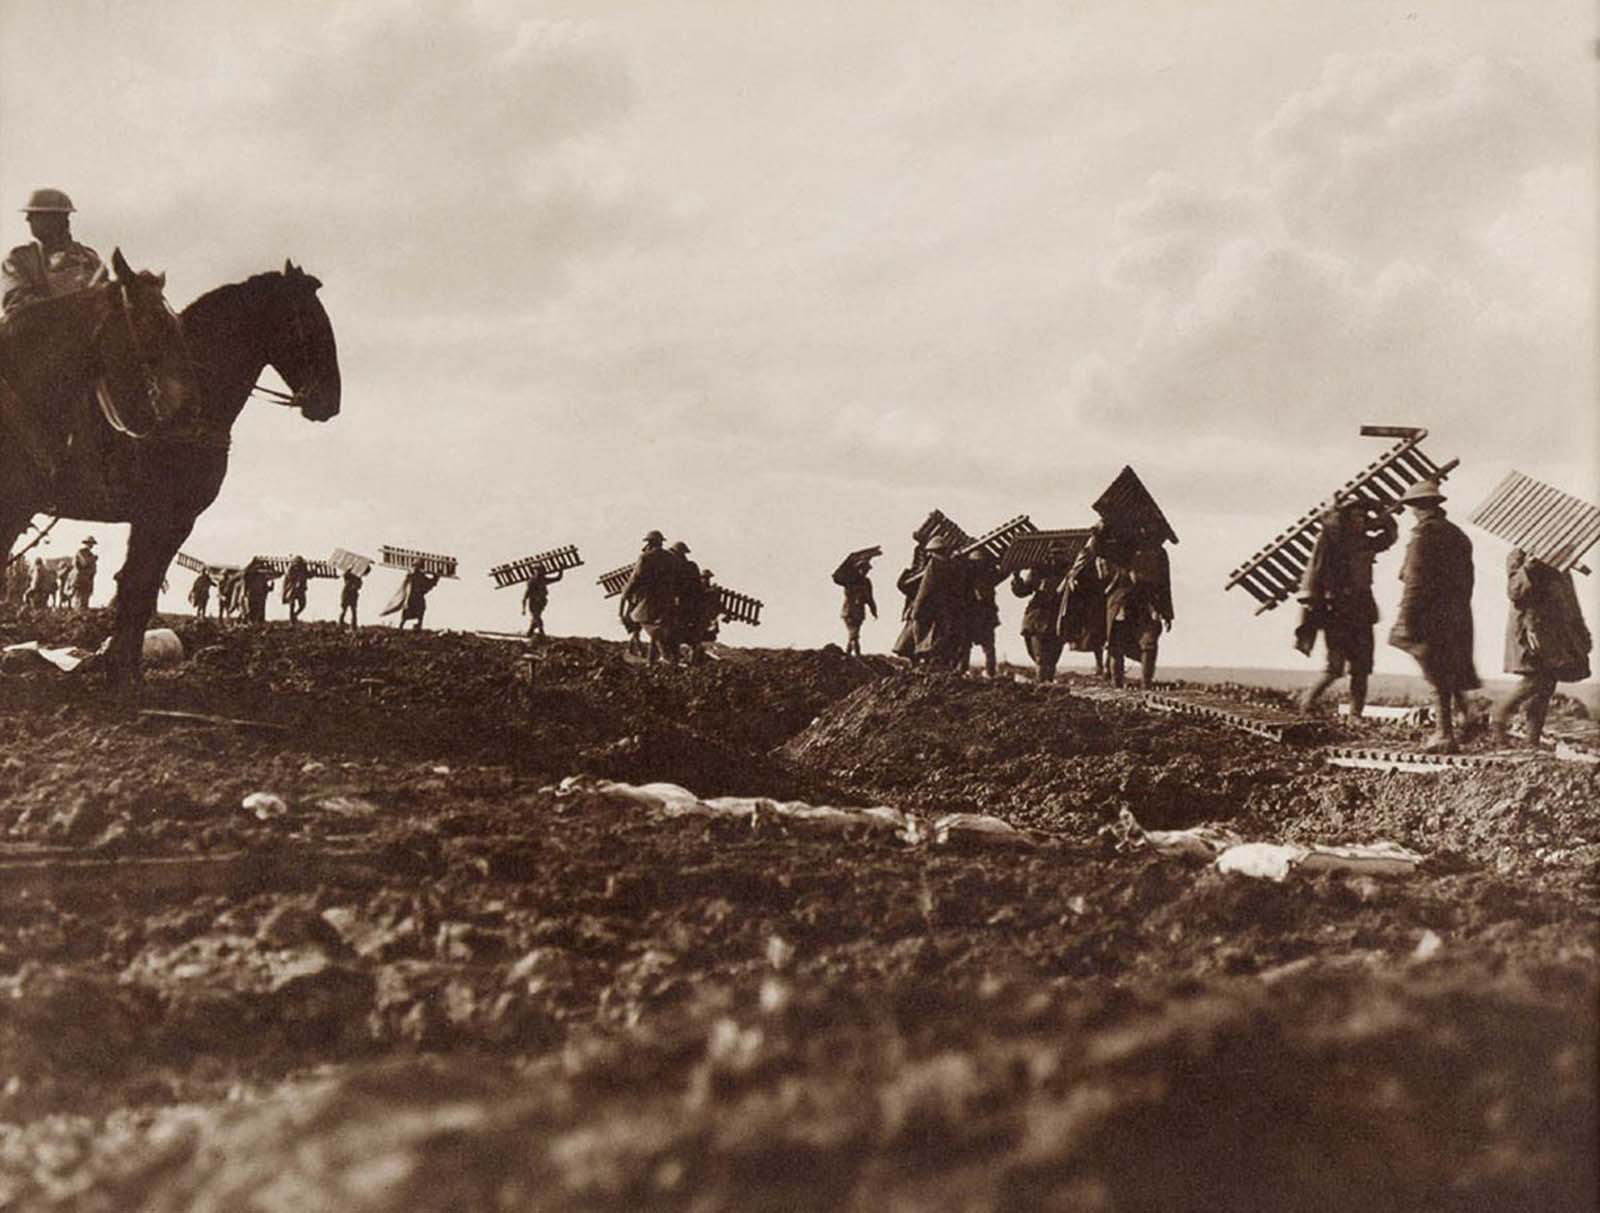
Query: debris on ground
[{"x": 767, "y": 999}]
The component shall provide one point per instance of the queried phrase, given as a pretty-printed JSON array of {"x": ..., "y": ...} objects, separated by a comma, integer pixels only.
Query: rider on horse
[{"x": 52, "y": 263}]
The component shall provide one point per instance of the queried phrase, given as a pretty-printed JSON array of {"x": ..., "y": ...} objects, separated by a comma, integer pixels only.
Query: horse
[{"x": 161, "y": 482}]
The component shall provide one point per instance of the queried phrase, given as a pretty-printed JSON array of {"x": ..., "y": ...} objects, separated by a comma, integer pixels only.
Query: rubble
[{"x": 730, "y": 964}]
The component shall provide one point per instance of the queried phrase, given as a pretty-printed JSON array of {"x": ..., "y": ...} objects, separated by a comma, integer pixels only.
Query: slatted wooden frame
[
  {"x": 351, "y": 562},
  {"x": 516, "y": 572},
  {"x": 314, "y": 568},
  {"x": 1272, "y": 576},
  {"x": 394, "y": 557},
  {"x": 1544, "y": 522}
]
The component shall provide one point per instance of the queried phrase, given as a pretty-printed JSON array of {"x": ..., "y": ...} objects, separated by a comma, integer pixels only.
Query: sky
[{"x": 778, "y": 279}]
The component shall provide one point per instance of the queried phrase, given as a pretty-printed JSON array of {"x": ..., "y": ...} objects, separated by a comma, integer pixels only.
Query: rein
[
  {"x": 291, "y": 399},
  {"x": 272, "y": 394},
  {"x": 152, "y": 384}
]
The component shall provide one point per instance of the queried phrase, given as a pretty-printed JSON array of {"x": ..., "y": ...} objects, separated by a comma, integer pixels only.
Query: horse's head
[
  {"x": 139, "y": 342},
  {"x": 303, "y": 348}
]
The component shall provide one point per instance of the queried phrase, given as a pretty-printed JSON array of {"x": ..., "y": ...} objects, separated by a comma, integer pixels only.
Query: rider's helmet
[{"x": 49, "y": 200}]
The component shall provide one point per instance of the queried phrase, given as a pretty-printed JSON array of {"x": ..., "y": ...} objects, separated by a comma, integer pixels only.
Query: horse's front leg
[{"x": 151, "y": 546}]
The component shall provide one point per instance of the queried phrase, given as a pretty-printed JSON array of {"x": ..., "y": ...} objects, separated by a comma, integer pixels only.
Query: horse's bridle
[
  {"x": 295, "y": 398},
  {"x": 146, "y": 364}
]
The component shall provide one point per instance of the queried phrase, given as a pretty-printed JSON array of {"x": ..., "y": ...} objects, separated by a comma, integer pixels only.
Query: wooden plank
[
  {"x": 614, "y": 581},
  {"x": 203, "y": 718},
  {"x": 516, "y": 572},
  {"x": 1545, "y": 522},
  {"x": 1415, "y": 761},
  {"x": 738, "y": 608},
  {"x": 314, "y": 568},
  {"x": 1281, "y": 563},
  {"x": 395, "y": 557},
  {"x": 351, "y": 562}
]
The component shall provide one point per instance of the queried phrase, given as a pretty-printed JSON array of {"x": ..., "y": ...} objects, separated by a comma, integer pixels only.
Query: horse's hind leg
[{"x": 152, "y": 543}]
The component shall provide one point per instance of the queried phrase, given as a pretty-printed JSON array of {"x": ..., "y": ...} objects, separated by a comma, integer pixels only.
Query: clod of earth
[{"x": 436, "y": 953}]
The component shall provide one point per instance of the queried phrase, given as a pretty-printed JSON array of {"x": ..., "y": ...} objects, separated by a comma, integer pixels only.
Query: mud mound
[
  {"x": 1514, "y": 818},
  {"x": 1050, "y": 759},
  {"x": 511, "y": 997},
  {"x": 554, "y": 708},
  {"x": 813, "y": 1100},
  {"x": 1039, "y": 756}
]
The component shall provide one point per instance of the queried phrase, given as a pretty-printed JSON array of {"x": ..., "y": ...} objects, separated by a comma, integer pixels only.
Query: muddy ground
[{"x": 413, "y": 976}]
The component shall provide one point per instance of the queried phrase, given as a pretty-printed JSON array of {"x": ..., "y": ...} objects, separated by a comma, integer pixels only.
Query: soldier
[
  {"x": 84, "y": 565},
  {"x": 52, "y": 263},
  {"x": 16, "y": 582},
  {"x": 650, "y": 598},
  {"x": 350, "y": 598},
  {"x": 42, "y": 587},
  {"x": 909, "y": 581},
  {"x": 983, "y": 613},
  {"x": 295, "y": 583},
  {"x": 710, "y": 607},
  {"x": 686, "y": 607},
  {"x": 414, "y": 595},
  {"x": 1138, "y": 583},
  {"x": 942, "y": 609},
  {"x": 1434, "y": 623},
  {"x": 858, "y": 600},
  {"x": 200, "y": 594},
  {"x": 1081, "y": 623},
  {"x": 536, "y": 596},
  {"x": 1546, "y": 640},
  {"x": 230, "y": 594},
  {"x": 1337, "y": 595},
  {"x": 1042, "y": 588},
  {"x": 256, "y": 584}
]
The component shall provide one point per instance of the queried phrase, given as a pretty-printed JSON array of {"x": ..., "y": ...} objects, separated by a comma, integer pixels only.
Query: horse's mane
[{"x": 232, "y": 294}]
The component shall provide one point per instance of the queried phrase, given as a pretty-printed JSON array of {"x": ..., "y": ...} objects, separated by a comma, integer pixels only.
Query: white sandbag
[
  {"x": 977, "y": 829},
  {"x": 1204, "y": 841},
  {"x": 886, "y": 816},
  {"x": 794, "y": 813},
  {"x": 739, "y": 808},
  {"x": 1271, "y": 861},
  {"x": 668, "y": 798},
  {"x": 674, "y": 801},
  {"x": 1264, "y": 860},
  {"x": 1373, "y": 859}
]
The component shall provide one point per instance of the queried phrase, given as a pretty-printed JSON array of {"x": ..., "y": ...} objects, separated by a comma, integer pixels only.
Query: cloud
[
  {"x": 1392, "y": 153},
  {"x": 432, "y": 158},
  {"x": 1401, "y": 249},
  {"x": 1173, "y": 231}
]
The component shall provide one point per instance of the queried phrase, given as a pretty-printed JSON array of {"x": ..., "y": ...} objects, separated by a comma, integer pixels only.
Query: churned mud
[{"x": 355, "y": 950}]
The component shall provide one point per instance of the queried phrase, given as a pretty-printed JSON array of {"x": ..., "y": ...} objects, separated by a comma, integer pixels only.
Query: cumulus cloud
[
  {"x": 1362, "y": 270},
  {"x": 1391, "y": 154}
]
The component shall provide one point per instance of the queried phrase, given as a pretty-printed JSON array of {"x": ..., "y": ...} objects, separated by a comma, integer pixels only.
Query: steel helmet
[
  {"x": 680, "y": 547},
  {"x": 49, "y": 200},
  {"x": 1422, "y": 493},
  {"x": 654, "y": 537}
]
